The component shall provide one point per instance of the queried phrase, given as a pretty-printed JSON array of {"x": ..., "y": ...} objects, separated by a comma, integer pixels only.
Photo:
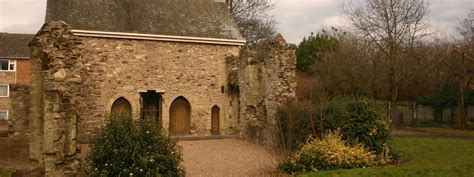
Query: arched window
[
  {"x": 215, "y": 115},
  {"x": 180, "y": 117},
  {"x": 121, "y": 107}
]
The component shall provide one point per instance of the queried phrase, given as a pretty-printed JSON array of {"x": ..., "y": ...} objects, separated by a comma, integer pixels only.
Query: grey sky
[{"x": 296, "y": 18}]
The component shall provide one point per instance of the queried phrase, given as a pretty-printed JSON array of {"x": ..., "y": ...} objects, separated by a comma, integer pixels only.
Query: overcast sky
[{"x": 296, "y": 18}]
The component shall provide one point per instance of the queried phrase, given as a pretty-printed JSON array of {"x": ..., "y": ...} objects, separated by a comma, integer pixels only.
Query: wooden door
[
  {"x": 215, "y": 120},
  {"x": 180, "y": 117},
  {"x": 121, "y": 107}
]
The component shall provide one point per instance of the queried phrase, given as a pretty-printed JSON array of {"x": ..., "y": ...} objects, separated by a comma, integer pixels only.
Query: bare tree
[
  {"x": 390, "y": 25},
  {"x": 462, "y": 63},
  {"x": 253, "y": 19}
]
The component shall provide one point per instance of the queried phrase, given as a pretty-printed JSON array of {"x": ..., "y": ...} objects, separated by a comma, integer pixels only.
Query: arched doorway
[
  {"x": 180, "y": 117},
  {"x": 215, "y": 120},
  {"x": 121, "y": 107}
]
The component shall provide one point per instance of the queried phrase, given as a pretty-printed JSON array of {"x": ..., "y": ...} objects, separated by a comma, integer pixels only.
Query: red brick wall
[
  {"x": 7, "y": 77},
  {"x": 23, "y": 72}
]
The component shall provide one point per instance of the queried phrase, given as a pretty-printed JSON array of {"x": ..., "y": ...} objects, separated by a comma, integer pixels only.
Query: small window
[
  {"x": 3, "y": 115},
  {"x": 4, "y": 91},
  {"x": 7, "y": 65}
]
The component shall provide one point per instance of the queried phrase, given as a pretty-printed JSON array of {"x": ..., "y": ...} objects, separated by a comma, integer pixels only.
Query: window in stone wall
[
  {"x": 4, "y": 91},
  {"x": 3, "y": 115},
  {"x": 7, "y": 65}
]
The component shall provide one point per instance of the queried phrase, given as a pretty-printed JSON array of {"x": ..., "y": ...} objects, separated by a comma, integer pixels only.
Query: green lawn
[
  {"x": 447, "y": 131},
  {"x": 426, "y": 157},
  {"x": 4, "y": 173}
]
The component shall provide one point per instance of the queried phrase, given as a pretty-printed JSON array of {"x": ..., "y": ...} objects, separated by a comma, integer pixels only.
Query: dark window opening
[
  {"x": 151, "y": 105},
  {"x": 4, "y": 65}
]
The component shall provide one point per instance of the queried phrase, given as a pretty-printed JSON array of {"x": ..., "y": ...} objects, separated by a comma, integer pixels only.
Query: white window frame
[
  {"x": 10, "y": 62},
  {"x": 6, "y": 112},
  {"x": 8, "y": 91}
]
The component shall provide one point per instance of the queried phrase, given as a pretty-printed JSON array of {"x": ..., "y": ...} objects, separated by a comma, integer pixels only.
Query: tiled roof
[
  {"x": 196, "y": 18},
  {"x": 15, "y": 45}
]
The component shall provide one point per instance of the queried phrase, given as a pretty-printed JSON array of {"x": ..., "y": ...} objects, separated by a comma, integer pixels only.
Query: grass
[
  {"x": 4, "y": 173},
  {"x": 447, "y": 131},
  {"x": 425, "y": 157}
]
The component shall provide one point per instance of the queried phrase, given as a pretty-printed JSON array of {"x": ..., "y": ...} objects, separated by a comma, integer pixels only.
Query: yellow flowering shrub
[{"x": 330, "y": 152}]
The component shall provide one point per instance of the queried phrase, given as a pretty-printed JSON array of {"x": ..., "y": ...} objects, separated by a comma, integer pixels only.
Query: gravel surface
[
  {"x": 228, "y": 157},
  {"x": 207, "y": 158}
]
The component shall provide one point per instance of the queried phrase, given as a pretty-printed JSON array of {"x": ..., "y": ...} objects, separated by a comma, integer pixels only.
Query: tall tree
[
  {"x": 253, "y": 18},
  {"x": 462, "y": 63},
  {"x": 313, "y": 48},
  {"x": 390, "y": 25}
]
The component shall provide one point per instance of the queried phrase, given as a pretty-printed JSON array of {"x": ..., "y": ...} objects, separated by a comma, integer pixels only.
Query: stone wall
[
  {"x": 55, "y": 86},
  {"x": 267, "y": 79},
  {"x": 18, "y": 106},
  {"x": 122, "y": 68},
  {"x": 75, "y": 81}
]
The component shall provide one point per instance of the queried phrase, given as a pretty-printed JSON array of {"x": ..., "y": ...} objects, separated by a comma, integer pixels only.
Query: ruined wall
[
  {"x": 267, "y": 79},
  {"x": 55, "y": 86},
  {"x": 18, "y": 105},
  {"x": 75, "y": 80}
]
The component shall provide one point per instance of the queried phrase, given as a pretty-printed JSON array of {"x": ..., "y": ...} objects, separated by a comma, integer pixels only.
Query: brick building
[{"x": 14, "y": 70}]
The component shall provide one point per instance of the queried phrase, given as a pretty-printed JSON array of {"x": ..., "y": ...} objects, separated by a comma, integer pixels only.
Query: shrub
[
  {"x": 133, "y": 147},
  {"x": 297, "y": 122},
  {"x": 358, "y": 119},
  {"x": 330, "y": 152}
]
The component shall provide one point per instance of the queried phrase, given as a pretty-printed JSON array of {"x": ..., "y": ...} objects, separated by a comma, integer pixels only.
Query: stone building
[
  {"x": 14, "y": 72},
  {"x": 179, "y": 62}
]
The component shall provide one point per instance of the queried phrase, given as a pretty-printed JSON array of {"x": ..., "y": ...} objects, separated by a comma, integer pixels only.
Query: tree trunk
[{"x": 461, "y": 103}]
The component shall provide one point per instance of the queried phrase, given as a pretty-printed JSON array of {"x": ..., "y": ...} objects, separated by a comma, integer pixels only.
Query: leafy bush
[
  {"x": 358, "y": 119},
  {"x": 133, "y": 147},
  {"x": 330, "y": 152},
  {"x": 297, "y": 122}
]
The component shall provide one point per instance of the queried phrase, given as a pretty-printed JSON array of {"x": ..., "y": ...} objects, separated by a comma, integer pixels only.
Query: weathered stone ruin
[
  {"x": 192, "y": 86},
  {"x": 266, "y": 80}
]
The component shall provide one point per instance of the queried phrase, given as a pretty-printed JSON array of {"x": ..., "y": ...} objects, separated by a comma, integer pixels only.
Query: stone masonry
[
  {"x": 75, "y": 81},
  {"x": 55, "y": 87},
  {"x": 267, "y": 80}
]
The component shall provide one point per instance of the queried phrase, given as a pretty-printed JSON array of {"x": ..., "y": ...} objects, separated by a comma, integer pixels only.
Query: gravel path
[{"x": 228, "y": 157}]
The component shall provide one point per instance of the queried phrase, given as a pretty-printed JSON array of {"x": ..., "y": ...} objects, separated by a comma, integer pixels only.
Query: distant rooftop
[
  {"x": 196, "y": 18},
  {"x": 15, "y": 45}
]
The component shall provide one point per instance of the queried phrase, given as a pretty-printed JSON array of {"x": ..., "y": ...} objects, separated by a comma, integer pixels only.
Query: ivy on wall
[{"x": 445, "y": 99}]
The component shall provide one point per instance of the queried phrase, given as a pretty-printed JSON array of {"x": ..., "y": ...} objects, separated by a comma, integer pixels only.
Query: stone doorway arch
[
  {"x": 121, "y": 107},
  {"x": 215, "y": 116},
  {"x": 180, "y": 117}
]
